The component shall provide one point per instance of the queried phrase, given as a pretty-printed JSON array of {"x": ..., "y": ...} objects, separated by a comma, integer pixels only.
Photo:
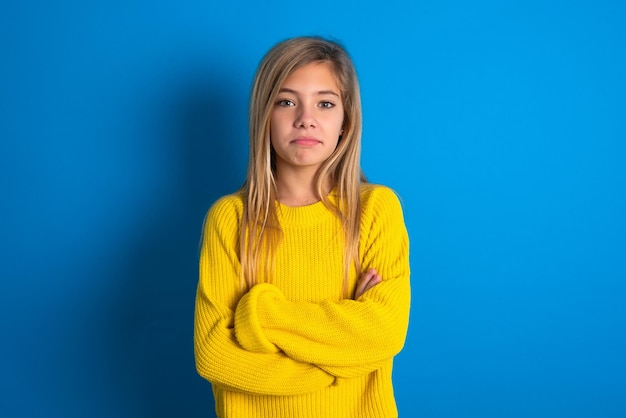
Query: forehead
[{"x": 313, "y": 75}]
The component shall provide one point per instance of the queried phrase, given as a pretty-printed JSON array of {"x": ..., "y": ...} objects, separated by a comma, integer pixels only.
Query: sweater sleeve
[
  {"x": 339, "y": 335},
  {"x": 219, "y": 357}
]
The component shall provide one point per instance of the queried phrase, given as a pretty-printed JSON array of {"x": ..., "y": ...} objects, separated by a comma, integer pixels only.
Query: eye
[
  {"x": 326, "y": 105},
  {"x": 285, "y": 103}
]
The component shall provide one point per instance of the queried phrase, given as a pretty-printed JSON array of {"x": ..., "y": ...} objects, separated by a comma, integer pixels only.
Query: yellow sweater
[{"x": 293, "y": 347}]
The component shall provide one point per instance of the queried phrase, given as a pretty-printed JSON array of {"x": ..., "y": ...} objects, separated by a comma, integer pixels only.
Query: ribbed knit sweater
[{"x": 292, "y": 346}]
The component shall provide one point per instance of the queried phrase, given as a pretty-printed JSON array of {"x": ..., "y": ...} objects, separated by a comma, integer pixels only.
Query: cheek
[
  {"x": 340, "y": 120},
  {"x": 277, "y": 124},
  {"x": 274, "y": 129},
  {"x": 339, "y": 124}
]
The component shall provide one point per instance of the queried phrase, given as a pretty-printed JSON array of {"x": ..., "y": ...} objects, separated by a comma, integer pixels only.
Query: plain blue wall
[{"x": 501, "y": 124}]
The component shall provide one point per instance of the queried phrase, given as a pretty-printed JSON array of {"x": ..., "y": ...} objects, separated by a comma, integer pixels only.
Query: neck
[{"x": 297, "y": 187}]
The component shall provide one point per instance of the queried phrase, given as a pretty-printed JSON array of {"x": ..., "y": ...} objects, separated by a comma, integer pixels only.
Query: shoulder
[
  {"x": 379, "y": 199},
  {"x": 381, "y": 215},
  {"x": 228, "y": 203},
  {"x": 226, "y": 212}
]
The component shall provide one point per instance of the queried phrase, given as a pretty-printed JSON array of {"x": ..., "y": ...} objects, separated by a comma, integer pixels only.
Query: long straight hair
[{"x": 260, "y": 229}]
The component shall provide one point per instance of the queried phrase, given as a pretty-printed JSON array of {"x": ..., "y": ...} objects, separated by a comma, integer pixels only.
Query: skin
[
  {"x": 367, "y": 280},
  {"x": 305, "y": 126}
]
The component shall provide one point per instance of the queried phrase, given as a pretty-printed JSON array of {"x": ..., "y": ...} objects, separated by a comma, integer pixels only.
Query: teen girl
[{"x": 303, "y": 297}]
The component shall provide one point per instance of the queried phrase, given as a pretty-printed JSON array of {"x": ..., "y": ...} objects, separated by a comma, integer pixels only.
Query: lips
[{"x": 306, "y": 141}]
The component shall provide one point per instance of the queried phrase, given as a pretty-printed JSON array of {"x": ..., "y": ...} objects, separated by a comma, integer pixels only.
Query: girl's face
[{"x": 307, "y": 118}]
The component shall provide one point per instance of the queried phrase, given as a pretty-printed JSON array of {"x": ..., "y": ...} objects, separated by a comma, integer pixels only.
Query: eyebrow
[{"x": 321, "y": 92}]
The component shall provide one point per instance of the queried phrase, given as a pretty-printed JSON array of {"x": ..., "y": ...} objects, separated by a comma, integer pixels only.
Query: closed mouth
[{"x": 306, "y": 141}]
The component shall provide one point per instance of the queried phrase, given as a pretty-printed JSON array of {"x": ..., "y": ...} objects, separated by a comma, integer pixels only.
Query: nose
[{"x": 305, "y": 118}]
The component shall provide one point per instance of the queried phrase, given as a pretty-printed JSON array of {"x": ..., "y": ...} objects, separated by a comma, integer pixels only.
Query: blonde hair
[{"x": 260, "y": 229}]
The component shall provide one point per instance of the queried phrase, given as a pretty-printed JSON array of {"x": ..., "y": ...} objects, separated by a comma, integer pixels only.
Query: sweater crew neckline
[{"x": 312, "y": 214}]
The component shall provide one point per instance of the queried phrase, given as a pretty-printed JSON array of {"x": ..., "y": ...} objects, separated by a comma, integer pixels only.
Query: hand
[{"x": 368, "y": 280}]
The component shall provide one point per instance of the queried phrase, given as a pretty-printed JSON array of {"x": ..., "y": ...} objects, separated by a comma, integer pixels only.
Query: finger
[
  {"x": 373, "y": 281},
  {"x": 360, "y": 287},
  {"x": 364, "y": 280},
  {"x": 368, "y": 279}
]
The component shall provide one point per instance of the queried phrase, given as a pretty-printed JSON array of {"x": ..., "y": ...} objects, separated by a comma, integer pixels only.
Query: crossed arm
[{"x": 256, "y": 342}]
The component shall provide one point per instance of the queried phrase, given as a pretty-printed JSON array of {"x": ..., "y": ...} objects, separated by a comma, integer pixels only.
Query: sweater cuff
[{"x": 248, "y": 329}]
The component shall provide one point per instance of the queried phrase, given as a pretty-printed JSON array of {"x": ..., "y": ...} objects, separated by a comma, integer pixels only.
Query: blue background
[{"x": 501, "y": 124}]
